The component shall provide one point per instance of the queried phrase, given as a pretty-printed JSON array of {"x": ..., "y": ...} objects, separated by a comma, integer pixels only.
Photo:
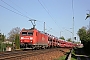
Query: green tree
[
  {"x": 2, "y": 45},
  {"x": 84, "y": 35},
  {"x": 2, "y": 37},
  {"x": 69, "y": 39},
  {"x": 82, "y": 32},
  {"x": 17, "y": 42},
  {"x": 62, "y": 38}
]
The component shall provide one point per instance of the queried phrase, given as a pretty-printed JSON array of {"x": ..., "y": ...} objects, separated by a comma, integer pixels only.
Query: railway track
[
  {"x": 22, "y": 54},
  {"x": 6, "y": 54}
]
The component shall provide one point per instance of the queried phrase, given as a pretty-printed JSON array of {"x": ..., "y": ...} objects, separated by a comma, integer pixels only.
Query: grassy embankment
[{"x": 63, "y": 57}]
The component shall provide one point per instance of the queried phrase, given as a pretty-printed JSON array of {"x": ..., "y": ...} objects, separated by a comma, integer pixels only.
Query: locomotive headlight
[
  {"x": 58, "y": 43},
  {"x": 31, "y": 41},
  {"x": 21, "y": 41},
  {"x": 22, "y": 38},
  {"x": 31, "y": 38}
]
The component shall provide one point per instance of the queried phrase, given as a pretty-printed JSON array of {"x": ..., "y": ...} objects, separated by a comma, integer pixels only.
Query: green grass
[
  {"x": 73, "y": 55},
  {"x": 73, "y": 52},
  {"x": 61, "y": 58},
  {"x": 73, "y": 59}
]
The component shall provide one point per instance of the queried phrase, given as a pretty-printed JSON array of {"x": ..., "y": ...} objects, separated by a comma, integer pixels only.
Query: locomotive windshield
[
  {"x": 24, "y": 33},
  {"x": 30, "y": 33},
  {"x": 27, "y": 33}
]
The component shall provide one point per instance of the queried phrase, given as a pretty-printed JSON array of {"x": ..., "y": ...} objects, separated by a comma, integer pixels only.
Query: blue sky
[{"x": 58, "y": 15}]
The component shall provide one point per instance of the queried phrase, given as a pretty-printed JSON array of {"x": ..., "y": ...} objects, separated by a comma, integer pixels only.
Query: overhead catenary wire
[
  {"x": 48, "y": 13},
  {"x": 16, "y": 10},
  {"x": 19, "y": 7},
  {"x": 50, "y": 28},
  {"x": 12, "y": 11},
  {"x": 47, "y": 26}
]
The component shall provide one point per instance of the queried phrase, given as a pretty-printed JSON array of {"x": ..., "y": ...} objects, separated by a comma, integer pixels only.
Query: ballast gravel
[{"x": 48, "y": 56}]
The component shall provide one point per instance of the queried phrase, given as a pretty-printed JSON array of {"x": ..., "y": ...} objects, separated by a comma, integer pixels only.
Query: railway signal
[{"x": 75, "y": 38}]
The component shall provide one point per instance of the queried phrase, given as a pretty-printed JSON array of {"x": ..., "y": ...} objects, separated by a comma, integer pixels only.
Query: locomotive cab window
[
  {"x": 24, "y": 33},
  {"x": 30, "y": 33}
]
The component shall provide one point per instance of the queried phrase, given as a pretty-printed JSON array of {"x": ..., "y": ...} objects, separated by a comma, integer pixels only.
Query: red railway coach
[
  {"x": 49, "y": 41},
  {"x": 52, "y": 41},
  {"x": 61, "y": 43},
  {"x": 69, "y": 44},
  {"x": 32, "y": 38}
]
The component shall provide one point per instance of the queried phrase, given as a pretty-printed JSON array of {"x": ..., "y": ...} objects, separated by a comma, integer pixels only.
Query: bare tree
[{"x": 13, "y": 33}]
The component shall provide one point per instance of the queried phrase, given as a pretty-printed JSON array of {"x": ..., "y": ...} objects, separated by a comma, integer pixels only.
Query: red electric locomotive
[{"x": 32, "y": 38}]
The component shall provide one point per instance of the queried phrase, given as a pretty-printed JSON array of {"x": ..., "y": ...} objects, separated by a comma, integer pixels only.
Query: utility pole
[
  {"x": 60, "y": 33},
  {"x": 33, "y": 22},
  {"x": 44, "y": 27},
  {"x": 73, "y": 22},
  {"x": 73, "y": 28}
]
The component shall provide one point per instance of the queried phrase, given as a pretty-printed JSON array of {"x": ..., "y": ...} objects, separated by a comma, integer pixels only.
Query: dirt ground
[{"x": 48, "y": 56}]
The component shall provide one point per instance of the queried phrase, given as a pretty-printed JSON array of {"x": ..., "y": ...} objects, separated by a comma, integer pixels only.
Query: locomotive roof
[{"x": 28, "y": 29}]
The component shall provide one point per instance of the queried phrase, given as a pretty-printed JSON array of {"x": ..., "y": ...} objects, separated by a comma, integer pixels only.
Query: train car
[
  {"x": 49, "y": 41},
  {"x": 62, "y": 43},
  {"x": 69, "y": 44},
  {"x": 54, "y": 41},
  {"x": 32, "y": 38}
]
